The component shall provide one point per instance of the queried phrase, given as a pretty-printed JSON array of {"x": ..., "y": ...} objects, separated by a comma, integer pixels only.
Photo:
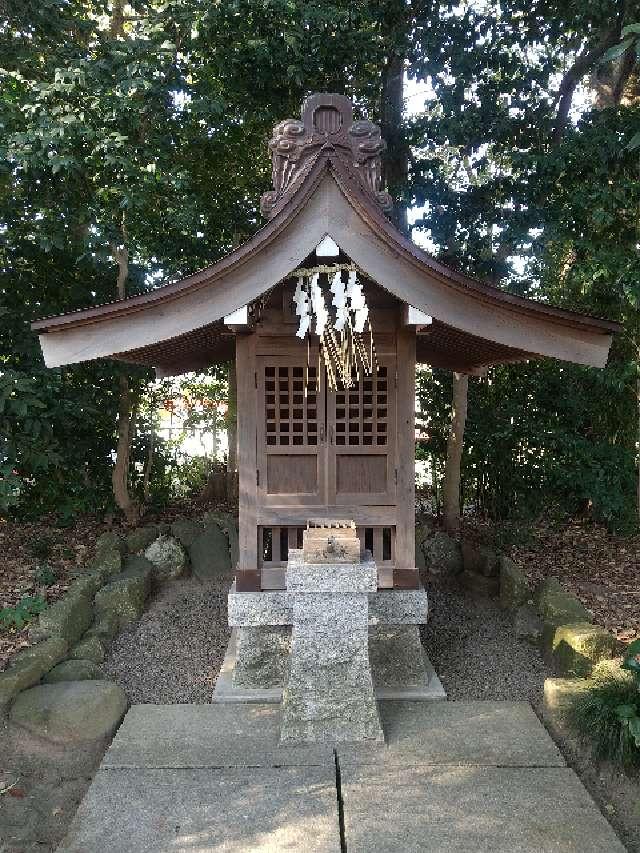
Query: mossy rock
[
  {"x": 71, "y": 711},
  {"x": 28, "y": 667},
  {"x": 124, "y": 597},
  {"x": 89, "y": 648},
  {"x": 443, "y": 555},
  {"x": 479, "y": 559},
  {"x": 186, "y": 531},
  {"x": 514, "y": 589},
  {"x": 110, "y": 541},
  {"x": 141, "y": 538},
  {"x": 209, "y": 554},
  {"x": 68, "y": 618},
  {"x": 479, "y": 584},
  {"x": 559, "y": 695},
  {"x": 106, "y": 564},
  {"x": 575, "y": 648},
  {"x": 557, "y": 606},
  {"x": 105, "y": 628},
  {"x": 74, "y": 670}
]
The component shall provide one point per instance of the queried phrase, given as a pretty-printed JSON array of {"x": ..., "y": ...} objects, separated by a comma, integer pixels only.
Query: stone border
[{"x": 109, "y": 594}]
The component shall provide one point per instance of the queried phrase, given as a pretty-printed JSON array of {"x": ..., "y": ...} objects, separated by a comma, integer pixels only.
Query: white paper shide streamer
[{"x": 330, "y": 303}]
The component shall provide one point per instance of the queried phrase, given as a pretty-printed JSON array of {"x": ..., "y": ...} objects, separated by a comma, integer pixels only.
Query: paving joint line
[{"x": 343, "y": 837}]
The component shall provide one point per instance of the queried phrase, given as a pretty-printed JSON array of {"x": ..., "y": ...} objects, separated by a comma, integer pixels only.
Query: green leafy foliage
[
  {"x": 609, "y": 713},
  {"x": 44, "y": 575},
  {"x": 15, "y": 618},
  {"x": 147, "y": 123}
]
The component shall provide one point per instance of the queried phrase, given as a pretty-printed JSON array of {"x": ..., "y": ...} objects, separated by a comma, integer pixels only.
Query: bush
[
  {"x": 609, "y": 713},
  {"x": 44, "y": 575}
]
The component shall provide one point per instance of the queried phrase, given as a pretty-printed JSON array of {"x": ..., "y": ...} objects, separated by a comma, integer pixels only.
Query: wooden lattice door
[
  {"x": 291, "y": 432},
  {"x": 361, "y": 440}
]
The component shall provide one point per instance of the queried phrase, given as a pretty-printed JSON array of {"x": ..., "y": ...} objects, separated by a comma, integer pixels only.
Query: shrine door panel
[
  {"x": 291, "y": 431},
  {"x": 361, "y": 440}
]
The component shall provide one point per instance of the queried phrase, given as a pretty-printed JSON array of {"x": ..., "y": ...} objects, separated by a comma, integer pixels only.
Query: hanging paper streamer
[{"x": 341, "y": 326}]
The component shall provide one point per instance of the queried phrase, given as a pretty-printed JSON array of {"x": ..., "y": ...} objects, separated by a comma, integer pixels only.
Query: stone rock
[
  {"x": 74, "y": 670},
  {"x": 124, "y": 597},
  {"x": 69, "y": 617},
  {"x": 443, "y": 555},
  {"x": 87, "y": 584},
  {"x": 105, "y": 628},
  {"x": 167, "y": 556},
  {"x": 528, "y": 625},
  {"x": 141, "y": 538},
  {"x": 110, "y": 541},
  {"x": 209, "y": 554},
  {"x": 186, "y": 531},
  {"x": 28, "y": 667},
  {"x": 71, "y": 711},
  {"x": 137, "y": 566},
  {"x": 559, "y": 694},
  {"x": 479, "y": 584},
  {"x": 576, "y": 647},
  {"x": 89, "y": 648},
  {"x": 557, "y": 606},
  {"x": 106, "y": 564},
  {"x": 479, "y": 559},
  {"x": 610, "y": 669},
  {"x": 514, "y": 589},
  {"x": 229, "y": 525},
  {"x": 262, "y": 656}
]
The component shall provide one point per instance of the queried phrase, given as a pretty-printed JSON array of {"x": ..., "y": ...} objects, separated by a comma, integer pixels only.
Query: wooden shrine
[{"x": 325, "y": 421}]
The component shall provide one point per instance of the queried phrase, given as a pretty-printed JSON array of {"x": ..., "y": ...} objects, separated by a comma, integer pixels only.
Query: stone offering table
[{"x": 260, "y": 661}]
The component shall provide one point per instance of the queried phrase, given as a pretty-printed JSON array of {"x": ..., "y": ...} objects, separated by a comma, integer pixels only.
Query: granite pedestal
[{"x": 328, "y": 694}]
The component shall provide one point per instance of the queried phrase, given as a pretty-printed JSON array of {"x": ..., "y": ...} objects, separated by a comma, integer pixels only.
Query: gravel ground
[
  {"x": 173, "y": 654},
  {"x": 472, "y": 645}
]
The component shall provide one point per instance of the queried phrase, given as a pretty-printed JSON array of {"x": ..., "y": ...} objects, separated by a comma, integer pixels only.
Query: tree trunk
[
  {"x": 148, "y": 465},
  {"x": 120, "y": 474},
  {"x": 396, "y": 157},
  {"x": 455, "y": 444}
]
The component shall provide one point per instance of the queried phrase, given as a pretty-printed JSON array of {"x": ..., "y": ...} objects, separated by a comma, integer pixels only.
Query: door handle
[
  {"x": 331, "y": 434},
  {"x": 321, "y": 433}
]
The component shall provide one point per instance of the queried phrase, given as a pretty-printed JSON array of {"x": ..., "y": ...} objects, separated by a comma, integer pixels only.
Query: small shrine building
[{"x": 326, "y": 311}]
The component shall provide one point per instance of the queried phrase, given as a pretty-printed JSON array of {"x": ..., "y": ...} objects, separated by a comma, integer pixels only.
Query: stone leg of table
[{"x": 328, "y": 696}]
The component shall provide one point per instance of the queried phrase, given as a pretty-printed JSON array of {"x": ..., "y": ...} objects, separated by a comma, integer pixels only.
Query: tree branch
[{"x": 584, "y": 62}]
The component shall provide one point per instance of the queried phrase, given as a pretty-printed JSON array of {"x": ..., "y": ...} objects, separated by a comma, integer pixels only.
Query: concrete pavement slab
[
  {"x": 226, "y": 811},
  {"x": 208, "y": 736},
  {"x": 458, "y": 733},
  {"x": 479, "y": 809}
]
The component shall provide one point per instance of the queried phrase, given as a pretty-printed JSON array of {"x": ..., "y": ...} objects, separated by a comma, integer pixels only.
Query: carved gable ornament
[{"x": 327, "y": 123}]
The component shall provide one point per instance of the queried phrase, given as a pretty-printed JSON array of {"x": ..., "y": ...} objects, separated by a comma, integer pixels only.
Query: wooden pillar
[
  {"x": 247, "y": 573},
  {"x": 405, "y": 573}
]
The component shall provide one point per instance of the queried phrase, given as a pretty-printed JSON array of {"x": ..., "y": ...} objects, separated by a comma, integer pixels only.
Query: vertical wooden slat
[
  {"x": 405, "y": 573},
  {"x": 275, "y": 546},
  {"x": 293, "y": 537},
  {"x": 377, "y": 544},
  {"x": 247, "y": 575}
]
